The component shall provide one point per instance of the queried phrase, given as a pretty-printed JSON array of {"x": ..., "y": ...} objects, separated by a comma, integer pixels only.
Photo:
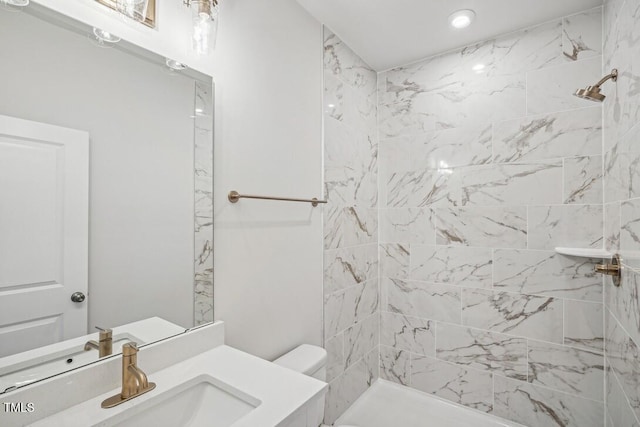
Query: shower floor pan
[{"x": 387, "y": 404}]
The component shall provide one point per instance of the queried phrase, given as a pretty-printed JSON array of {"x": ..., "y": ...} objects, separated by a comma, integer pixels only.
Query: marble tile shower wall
[
  {"x": 203, "y": 204},
  {"x": 351, "y": 309},
  {"x": 622, "y": 210},
  {"x": 487, "y": 163}
]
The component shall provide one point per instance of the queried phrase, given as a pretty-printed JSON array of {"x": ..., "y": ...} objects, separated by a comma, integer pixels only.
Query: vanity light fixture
[
  {"x": 104, "y": 36},
  {"x": 17, "y": 3},
  {"x": 205, "y": 24},
  {"x": 175, "y": 65},
  {"x": 461, "y": 18}
]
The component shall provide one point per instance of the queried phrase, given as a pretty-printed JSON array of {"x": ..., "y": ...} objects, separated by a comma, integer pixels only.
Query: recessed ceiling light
[
  {"x": 105, "y": 36},
  {"x": 462, "y": 18},
  {"x": 175, "y": 65}
]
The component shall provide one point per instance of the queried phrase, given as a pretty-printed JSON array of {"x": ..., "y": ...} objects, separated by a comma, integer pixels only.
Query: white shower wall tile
[
  {"x": 556, "y": 226},
  {"x": 409, "y": 225},
  {"x": 547, "y": 273},
  {"x": 583, "y": 182},
  {"x": 455, "y": 265},
  {"x": 395, "y": 365},
  {"x": 582, "y": 35},
  {"x": 572, "y": 370},
  {"x": 512, "y": 184},
  {"x": 551, "y": 89},
  {"x": 487, "y": 351},
  {"x": 408, "y": 333},
  {"x": 460, "y": 384},
  {"x": 351, "y": 289},
  {"x": 549, "y": 136},
  {"x": 583, "y": 325},
  {"x": 515, "y": 314},
  {"x": 490, "y": 226},
  {"x": 424, "y": 300},
  {"x": 542, "y": 407},
  {"x": 203, "y": 204}
]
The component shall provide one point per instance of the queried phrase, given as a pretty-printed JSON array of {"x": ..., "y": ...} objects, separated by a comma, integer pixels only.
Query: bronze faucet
[
  {"x": 104, "y": 345},
  {"x": 134, "y": 380}
]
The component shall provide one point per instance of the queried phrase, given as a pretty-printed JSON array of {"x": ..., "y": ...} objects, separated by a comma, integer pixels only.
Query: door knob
[{"x": 78, "y": 297}]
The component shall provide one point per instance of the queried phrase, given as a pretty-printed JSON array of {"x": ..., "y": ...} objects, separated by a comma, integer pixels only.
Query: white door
[{"x": 44, "y": 211}]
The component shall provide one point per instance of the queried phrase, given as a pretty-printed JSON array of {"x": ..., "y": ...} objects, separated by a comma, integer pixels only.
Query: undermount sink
[{"x": 202, "y": 401}]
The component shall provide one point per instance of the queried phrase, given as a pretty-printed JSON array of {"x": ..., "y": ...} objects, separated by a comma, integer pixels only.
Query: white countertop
[{"x": 280, "y": 390}]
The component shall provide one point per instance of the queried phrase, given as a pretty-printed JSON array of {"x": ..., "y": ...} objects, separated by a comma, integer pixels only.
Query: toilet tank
[{"x": 306, "y": 359}]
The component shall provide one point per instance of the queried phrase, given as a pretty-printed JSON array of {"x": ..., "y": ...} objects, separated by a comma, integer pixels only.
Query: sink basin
[
  {"x": 202, "y": 401},
  {"x": 49, "y": 364}
]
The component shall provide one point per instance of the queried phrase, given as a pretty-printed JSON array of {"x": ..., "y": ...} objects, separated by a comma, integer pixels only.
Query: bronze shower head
[{"x": 592, "y": 93}]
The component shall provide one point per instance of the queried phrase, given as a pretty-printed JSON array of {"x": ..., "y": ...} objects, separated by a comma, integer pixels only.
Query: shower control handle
[{"x": 612, "y": 269}]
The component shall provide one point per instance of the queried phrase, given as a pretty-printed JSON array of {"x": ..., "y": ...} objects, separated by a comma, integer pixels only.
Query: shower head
[{"x": 592, "y": 93}]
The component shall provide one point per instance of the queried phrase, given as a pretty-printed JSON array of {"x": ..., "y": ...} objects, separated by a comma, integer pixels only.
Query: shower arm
[{"x": 613, "y": 76}]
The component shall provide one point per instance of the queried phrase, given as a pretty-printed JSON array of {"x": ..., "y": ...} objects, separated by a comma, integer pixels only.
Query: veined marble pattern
[
  {"x": 523, "y": 315},
  {"x": 546, "y": 273},
  {"x": 612, "y": 226},
  {"x": 342, "y": 62},
  {"x": 552, "y": 89},
  {"x": 553, "y": 226},
  {"x": 583, "y": 180},
  {"x": 483, "y": 350},
  {"x": 504, "y": 227},
  {"x": 421, "y": 299},
  {"x": 542, "y": 407},
  {"x": 575, "y": 371},
  {"x": 360, "y": 339},
  {"x": 351, "y": 301},
  {"x": 408, "y": 333},
  {"x": 422, "y": 188},
  {"x": 460, "y": 384},
  {"x": 549, "y": 136},
  {"x": 344, "y": 308},
  {"x": 203, "y": 204},
  {"x": 395, "y": 365},
  {"x": 454, "y": 265},
  {"x": 394, "y": 261},
  {"x": 583, "y": 326},
  {"x": 582, "y": 35},
  {"x": 622, "y": 209},
  {"x": 512, "y": 184},
  {"x": 412, "y": 225},
  {"x": 618, "y": 410},
  {"x": 349, "y": 266},
  {"x": 623, "y": 357}
]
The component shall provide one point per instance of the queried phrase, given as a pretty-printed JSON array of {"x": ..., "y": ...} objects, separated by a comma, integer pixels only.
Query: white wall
[
  {"x": 268, "y": 255},
  {"x": 141, "y": 162}
]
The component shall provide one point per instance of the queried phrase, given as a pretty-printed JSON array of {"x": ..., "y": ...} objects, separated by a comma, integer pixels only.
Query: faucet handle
[
  {"x": 105, "y": 334},
  {"x": 130, "y": 349}
]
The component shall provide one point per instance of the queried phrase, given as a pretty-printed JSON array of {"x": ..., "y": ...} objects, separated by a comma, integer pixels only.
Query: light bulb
[{"x": 462, "y": 18}]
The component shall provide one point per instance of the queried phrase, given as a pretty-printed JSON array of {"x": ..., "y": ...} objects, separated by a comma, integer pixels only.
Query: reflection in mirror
[{"x": 106, "y": 188}]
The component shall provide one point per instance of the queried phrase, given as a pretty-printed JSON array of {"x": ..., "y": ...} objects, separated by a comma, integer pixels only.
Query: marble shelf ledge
[{"x": 585, "y": 252}]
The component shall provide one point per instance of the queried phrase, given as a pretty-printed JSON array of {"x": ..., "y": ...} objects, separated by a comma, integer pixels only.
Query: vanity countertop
[{"x": 281, "y": 391}]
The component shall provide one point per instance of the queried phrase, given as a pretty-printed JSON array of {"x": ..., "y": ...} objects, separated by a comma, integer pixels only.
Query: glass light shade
[{"x": 205, "y": 26}]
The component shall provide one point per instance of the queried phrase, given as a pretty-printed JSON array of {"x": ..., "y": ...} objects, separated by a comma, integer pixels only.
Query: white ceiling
[{"x": 388, "y": 33}]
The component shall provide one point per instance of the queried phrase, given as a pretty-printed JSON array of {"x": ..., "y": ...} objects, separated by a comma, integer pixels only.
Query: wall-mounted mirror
[{"x": 105, "y": 195}]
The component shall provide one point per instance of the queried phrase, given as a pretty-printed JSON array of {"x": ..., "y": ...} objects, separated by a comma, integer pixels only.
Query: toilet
[{"x": 310, "y": 360}]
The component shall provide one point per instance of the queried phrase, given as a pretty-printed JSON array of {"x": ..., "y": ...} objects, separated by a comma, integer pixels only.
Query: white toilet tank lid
[{"x": 307, "y": 359}]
